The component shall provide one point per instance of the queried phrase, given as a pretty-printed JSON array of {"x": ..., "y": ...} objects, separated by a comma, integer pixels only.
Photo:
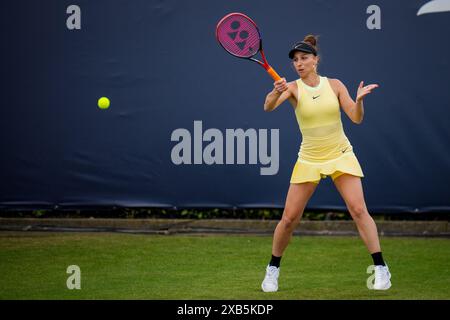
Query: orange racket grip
[{"x": 273, "y": 74}]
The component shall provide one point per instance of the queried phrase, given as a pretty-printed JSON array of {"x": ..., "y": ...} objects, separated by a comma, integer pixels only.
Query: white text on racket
[{"x": 234, "y": 141}]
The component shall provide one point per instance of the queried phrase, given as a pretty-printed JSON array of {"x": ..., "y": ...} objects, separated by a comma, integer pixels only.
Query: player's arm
[
  {"x": 281, "y": 92},
  {"x": 354, "y": 110}
]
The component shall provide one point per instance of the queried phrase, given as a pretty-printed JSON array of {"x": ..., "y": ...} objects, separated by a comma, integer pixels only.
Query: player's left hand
[{"x": 364, "y": 90}]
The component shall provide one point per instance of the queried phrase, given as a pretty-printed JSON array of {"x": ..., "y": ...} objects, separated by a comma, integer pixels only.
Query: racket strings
[{"x": 239, "y": 36}]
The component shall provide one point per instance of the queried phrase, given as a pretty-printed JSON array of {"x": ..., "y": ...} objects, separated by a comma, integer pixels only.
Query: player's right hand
[{"x": 280, "y": 85}]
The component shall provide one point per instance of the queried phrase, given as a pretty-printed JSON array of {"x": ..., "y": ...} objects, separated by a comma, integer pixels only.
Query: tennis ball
[{"x": 103, "y": 103}]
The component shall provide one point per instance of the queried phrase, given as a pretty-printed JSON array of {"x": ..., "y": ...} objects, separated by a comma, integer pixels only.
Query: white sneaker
[
  {"x": 270, "y": 283},
  {"x": 382, "y": 278}
]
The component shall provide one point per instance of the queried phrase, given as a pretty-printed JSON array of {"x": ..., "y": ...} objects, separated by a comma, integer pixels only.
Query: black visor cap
[{"x": 302, "y": 47}]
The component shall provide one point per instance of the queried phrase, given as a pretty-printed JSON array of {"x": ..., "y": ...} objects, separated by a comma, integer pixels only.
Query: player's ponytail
[{"x": 312, "y": 41}]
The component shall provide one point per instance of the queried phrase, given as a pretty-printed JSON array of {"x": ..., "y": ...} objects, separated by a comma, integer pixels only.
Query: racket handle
[{"x": 273, "y": 74}]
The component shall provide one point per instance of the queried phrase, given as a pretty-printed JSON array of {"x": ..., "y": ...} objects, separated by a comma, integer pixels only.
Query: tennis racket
[{"x": 239, "y": 35}]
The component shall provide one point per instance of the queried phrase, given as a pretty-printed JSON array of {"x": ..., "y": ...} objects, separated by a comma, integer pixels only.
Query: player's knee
[
  {"x": 289, "y": 221},
  {"x": 358, "y": 211}
]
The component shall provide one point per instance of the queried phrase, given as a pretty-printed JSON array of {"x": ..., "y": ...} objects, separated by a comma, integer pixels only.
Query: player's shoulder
[
  {"x": 292, "y": 84},
  {"x": 336, "y": 83}
]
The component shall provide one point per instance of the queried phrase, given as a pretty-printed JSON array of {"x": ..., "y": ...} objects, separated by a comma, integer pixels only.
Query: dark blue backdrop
[{"x": 160, "y": 65}]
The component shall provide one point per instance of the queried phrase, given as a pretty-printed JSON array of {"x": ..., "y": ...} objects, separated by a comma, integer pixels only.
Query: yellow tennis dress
[{"x": 325, "y": 149}]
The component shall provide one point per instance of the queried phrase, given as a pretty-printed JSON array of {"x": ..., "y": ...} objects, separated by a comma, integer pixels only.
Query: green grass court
[{"x": 128, "y": 266}]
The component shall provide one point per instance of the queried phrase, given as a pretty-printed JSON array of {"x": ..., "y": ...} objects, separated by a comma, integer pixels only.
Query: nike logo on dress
[
  {"x": 316, "y": 97},
  {"x": 343, "y": 151}
]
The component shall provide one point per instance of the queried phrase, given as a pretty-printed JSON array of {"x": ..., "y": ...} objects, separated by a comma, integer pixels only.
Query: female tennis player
[{"x": 324, "y": 151}]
